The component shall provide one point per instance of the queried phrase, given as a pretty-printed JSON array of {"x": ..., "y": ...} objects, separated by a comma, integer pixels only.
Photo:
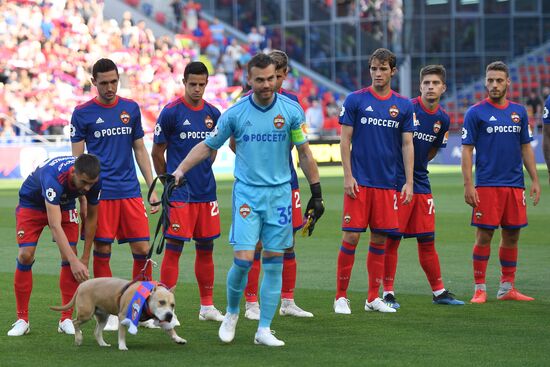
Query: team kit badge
[
  {"x": 515, "y": 118},
  {"x": 394, "y": 111},
  {"x": 244, "y": 210},
  {"x": 124, "y": 117},
  {"x": 279, "y": 121},
  {"x": 437, "y": 127}
]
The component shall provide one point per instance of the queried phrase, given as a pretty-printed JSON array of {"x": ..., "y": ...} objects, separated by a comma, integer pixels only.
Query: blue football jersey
[
  {"x": 545, "y": 112},
  {"x": 432, "y": 131},
  {"x": 378, "y": 123},
  {"x": 263, "y": 137},
  {"x": 109, "y": 132},
  {"x": 181, "y": 127},
  {"x": 497, "y": 133},
  {"x": 50, "y": 181}
]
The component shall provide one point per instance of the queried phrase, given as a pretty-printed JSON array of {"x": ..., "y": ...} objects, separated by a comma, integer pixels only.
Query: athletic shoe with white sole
[
  {"x": 20, "y": 327},
  {"x": 264, "y": 336},
  {"x": 447, "y": 298},
  {"x": 228, "y": 326},
  {"x": 210, "y": 313},
  {"x": 390, "y": 300},
  {"x": 341, "y": 305},
  {"x": 65, "y": 327},
  {"x": 252, "y": 311},
  {"x": 289, "y": 308},
  {"x": 378, "y": 305},
  {"x": 112, "y": 323}
]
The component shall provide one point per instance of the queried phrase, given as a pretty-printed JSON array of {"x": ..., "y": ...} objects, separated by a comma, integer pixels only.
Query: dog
[{"x": 112, "y": 296}]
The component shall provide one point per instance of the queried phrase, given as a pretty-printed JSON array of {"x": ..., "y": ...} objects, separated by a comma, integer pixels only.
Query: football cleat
[
  {"x": 378, "y": 305},
  {"x": 228, "y": 326},
  {"x": 341, "y": 305},
  {"x": 65, "y": 327},
  {"x": 389, "y": 299},
  {"x": 20, "y": 327},
  {"x": 210, "y": 313},
  {"x": 252, "y": 311},
  {"x": 514, "y": 295},
  {"x": 447, "y": 298},
  {"x": 266, "y": 337},
  {"x": 112, "y": 323},
  {"x": 480, "y": 296},
  {"x": 289, "y": 308}
]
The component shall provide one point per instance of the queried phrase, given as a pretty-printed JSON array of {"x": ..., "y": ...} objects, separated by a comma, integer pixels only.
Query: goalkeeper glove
[{"x": 315, "y": 209}]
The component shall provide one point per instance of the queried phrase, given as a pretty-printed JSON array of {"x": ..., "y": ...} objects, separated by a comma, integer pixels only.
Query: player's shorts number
[
  {"x": 214, "y": 211},
  {"x": 395, "y": 201},
  {"x": 285, "y": 215},
  {"x": 297, "y": 203},
  {"x": 73, "y": 216},
  {"x": 523, "y": 193},
  {"x": 431, "y": 209}
]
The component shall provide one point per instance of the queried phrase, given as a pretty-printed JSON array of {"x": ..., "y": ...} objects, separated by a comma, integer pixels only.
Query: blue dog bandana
[{"x": 137, "y": 305}]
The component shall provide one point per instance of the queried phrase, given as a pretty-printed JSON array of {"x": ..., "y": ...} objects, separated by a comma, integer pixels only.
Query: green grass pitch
[{"x": 422, "y": 334}]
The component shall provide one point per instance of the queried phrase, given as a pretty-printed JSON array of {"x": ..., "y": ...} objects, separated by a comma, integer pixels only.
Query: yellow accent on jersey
[{"x": 298, "y": 136}]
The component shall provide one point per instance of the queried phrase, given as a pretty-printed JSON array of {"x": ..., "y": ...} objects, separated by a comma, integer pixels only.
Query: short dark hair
[
  {"x": 261, "y": 61},
  {"x": 438, "y": 70},
  {"x": 280, "y": 58},
  {"x": 195, "y": 68},
  {"x": 498, "y": 66},
  {"x": 87, "y": 164},
  {"x": 383, "y": 55},
  {"x": 103, "y": 66}
]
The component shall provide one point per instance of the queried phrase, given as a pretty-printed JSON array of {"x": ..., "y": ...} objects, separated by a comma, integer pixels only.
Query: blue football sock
[
  {"x": 270, "y": 290},
  {"x": 236, "y": 282}
]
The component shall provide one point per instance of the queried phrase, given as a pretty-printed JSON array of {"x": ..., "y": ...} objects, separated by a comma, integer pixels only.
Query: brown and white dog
[{"x": 111, "y": 296}]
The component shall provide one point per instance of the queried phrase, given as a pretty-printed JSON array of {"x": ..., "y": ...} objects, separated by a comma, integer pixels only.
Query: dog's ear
[{"x": 172, "y": 290}]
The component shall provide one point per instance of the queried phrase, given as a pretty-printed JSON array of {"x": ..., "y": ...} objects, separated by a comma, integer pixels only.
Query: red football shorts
[
  {"x": 297, "y": 219},
  {"x": 374, "y": 208},
  {"x": 500, "y": 206},
  {"x": 29, "y": 224},
  {"x": 123, "y": 219},
  {"x": 198, "y": 221},
  {"x": 418, "y": 217}
]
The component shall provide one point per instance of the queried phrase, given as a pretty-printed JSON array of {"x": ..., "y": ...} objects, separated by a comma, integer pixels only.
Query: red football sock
[
  {"x": 22, "y": 285},
  {"x": 139, "y": 263},
  {"x": 67, "y": 285},
  {"x": 390, "y": 261},
  {"x": 375, "y": 269},
  {"x": 169, "y": 269},
  {"x": 289, "y": 275},
  {"x": 508, "y": 261},
  {"x": 346, "y": 258},
  {"x": 429, "y": 260},
  {"x": 204, "y": 272},
  {"x": 101, "y": 265},
  {"x": 251, "y": 291},
  {"x": 480, "y": 257}
]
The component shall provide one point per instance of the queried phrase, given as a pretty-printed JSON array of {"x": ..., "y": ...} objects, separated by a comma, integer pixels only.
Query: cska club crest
[
  {"x": 175, "y": 227},
  {"x": 515, "y": 118},
  {"x": 347, "y": 218},
  {"x": 479, "y": 215},
  {"x": 209, "y": 122},
  {"x": 20, "y": 233},
  {"x": 437, "y": 127},
  {"x": 244, "y": 210},
  {"x": 136, "y": 306},
  {"x": 279, "y": 121},
  {"x": 125, "y": 117},
  {"x": 394, "y": 111}
]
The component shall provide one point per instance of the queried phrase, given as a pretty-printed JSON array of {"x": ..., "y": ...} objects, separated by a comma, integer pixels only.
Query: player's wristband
[{"x": 315, "y": 190}]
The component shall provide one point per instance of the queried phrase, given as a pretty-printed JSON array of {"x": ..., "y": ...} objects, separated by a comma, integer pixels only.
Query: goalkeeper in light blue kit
[{"x": 264, "y": 125}]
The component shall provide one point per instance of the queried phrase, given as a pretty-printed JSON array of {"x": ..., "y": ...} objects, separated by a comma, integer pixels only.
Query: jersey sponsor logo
[
  {"x": 266, "y": 137},
  {"x": 446, "y": 137},
  {"x": 50, "y": 194},
  {"x": 175, "y": 227},
  {"x": 113, "y": 131},
  {"x": 515, "y": 118},
  {"x": 124, "y": 117},
  {"x": 279, "y": 121},
  {"x": 99, "y": 120},
  {"x": 380, "y": 122},
  {"x": 437, "y": 126},
  {"x": 394, "y": 111},
  {"x": 464, "y": 133},
  {"x": 244, "y": 210},
  {"x": 158, "y": 129},
  {"x": 20, "y": 234},
  {"x": 492, "y": 118},
  {"x": 369, "y": 109},
  {"x": 503, "y": 129},
  {"x": 196, "y": 135},
  {"x": 425, "y": 137},
  {"x": 209, "y": 122},
  {"x": 347, "y": 218},
  {"x": 186, "y": 122},
  {"x": 415, "y": 120}
]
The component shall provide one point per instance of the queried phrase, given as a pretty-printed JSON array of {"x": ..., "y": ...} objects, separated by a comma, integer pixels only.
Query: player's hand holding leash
[{"x": 315, "y": 209}]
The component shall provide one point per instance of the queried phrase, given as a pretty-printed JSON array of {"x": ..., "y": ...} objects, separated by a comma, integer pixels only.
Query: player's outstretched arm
[
  {"x": 315, "y": 206},
  {"x": 91, "y": 226},
  {"x": 79, "y": 270},
  {"x": 529, "y": 161},
  {"x": 470, "y": 194},
  {"x": 407, "y": 148},
  {"x": 199, "y": 153},
  {"x": 142, "y": 159},
  {"x": 546, "y": 146},
  {"x": 350, "y": 184}
]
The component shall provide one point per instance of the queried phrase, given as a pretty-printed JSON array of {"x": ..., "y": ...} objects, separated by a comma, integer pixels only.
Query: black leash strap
[{"x": 163, "y": 224}]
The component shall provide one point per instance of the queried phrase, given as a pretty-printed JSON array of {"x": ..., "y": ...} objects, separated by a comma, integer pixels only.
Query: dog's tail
[{"x": 67, "y": 306}]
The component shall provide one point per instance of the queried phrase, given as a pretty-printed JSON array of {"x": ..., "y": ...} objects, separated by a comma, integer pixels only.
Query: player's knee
[
  {"x": 25, "y": 257},
  {"x": 484, "y": 236},
  {"x": 102, "y": 247},
  {"x": 140, "y": 248},
  {"x": 351, "y": 238}
]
